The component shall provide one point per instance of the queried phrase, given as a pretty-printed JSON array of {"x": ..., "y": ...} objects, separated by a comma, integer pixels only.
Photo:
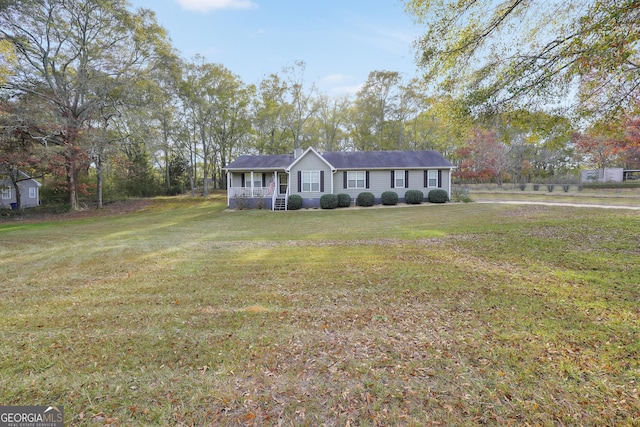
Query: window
[
  {"x": 32, "y": 192},
  {"x": 356, "y": 179},
  {"x": 257, "y": 180},
  {"x": 399, "y": 179},
  {"x": 6, "y": 193},
  {"x": 432, "y": 180},
  {"x": 310, "y": 180}
]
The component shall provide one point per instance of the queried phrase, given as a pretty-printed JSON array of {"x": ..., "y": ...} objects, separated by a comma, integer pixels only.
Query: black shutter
[
  {"x": 366, "y": 175},
  {"x": 393, "y": 181},
  {"x": 299, "y": 181},
  {"x": 406, "y": 179},
  {"x": 264, "y": 180},
  {"x": 344, "y": 179},
  {"x": 426, "y": 179},
  {"x": 439, "y": 178},
  {"x": 322, "y": 181},
  {"x": 242, "y": 175}
]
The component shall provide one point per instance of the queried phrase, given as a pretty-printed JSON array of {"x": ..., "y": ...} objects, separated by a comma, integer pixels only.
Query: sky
[{"x": 340, "y": 41}]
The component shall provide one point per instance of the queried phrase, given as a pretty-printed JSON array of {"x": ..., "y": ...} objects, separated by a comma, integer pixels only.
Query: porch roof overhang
[
  {"x": 254, "y": 169},
  {"x": 267, "y": 163}
]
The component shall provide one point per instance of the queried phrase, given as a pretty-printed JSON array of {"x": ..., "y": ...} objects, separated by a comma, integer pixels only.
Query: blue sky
[{"x": 340, "y": 41}]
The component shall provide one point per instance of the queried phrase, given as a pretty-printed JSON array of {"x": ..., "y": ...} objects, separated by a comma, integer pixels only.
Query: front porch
[{"x": 258, "y": 190}]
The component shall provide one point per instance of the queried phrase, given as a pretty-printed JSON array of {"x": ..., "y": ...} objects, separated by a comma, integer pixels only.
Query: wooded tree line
[{"x": 95, "y": 99}]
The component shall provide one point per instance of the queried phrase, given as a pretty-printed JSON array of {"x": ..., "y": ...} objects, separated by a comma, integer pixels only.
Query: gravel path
[{"x": 577, "y": 205}]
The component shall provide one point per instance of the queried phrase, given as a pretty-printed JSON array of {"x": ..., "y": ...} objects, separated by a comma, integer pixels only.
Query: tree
[
  {"x": 71, "y": 54},
  {"x": 331, "y": 123},
  {"x": 376, "y": 103},
  {"x": 443, "y": 124},
  {"x": 217, "y": 114},
  {"x": 301, "y": 102},
  {"x": 533, "y": 52},
  {"x": 17, "y": 150},
  {"x": 607, "y": 144},
  {"x": 484, "y": 157},
  {"x": 271, "y": 133},
  {"x": 231, "y": 122},
  {"x": 7, "y": 59}
]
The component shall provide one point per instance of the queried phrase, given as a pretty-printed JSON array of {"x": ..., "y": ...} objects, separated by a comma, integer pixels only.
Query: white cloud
[
  {"x": 337, "y": 84},
  {"x": 335, "y": 79},
  {"x": 209, "y": 5}
]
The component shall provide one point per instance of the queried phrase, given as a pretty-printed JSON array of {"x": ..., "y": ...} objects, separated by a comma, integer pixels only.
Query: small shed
[
  {"x": 29, "y": 192},
  {"x": 603, "y": 175}
]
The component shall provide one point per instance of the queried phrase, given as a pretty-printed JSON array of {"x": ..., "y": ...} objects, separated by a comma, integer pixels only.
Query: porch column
[{"x": 252, "y": 184}]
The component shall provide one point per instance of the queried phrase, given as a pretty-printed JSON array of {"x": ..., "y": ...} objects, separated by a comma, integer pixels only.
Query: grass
[
  {"x": 460, "y": 314},
  {"x": 597, "y": 196}
]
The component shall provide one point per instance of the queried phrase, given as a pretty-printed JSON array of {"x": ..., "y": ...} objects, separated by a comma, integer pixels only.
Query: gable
[
  {"x": 26, "y": 180},
  {"x": 309, "y": 156}
]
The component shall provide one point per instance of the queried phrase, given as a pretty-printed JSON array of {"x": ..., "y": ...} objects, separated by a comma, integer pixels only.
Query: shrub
[
  {"x": 413, "y": 197},
  {"x": 389, "y": 198},
  {"x": 437, "y": 196},
  {"x": 294, "y": 202},
  {"x": 261, "y": 203},
  {"x": 328, "y": 201},
  {"x": 241, "y": 202},
  {"x": 460, "y": 195},
  {"x": 366, "y": 199},
  {"x": 344, "y": 200},
  {"x": 598, "y": 185}
]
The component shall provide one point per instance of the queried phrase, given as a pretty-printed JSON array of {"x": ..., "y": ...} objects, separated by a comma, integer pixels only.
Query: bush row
[
  {"x": 388, "y": 198},
  {"x": 327, "y": 201}
]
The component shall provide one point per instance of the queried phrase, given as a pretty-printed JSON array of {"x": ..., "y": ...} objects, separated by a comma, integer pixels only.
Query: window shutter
[
  {"x": 426, "y": 178},
  {"x": 242, "y": 179},
  {"x": 299, "y": 181},
  {"x": 322, "y": 181},
  {"x": 366, "y": 177},
  {"x": 406, "y": 179},
  {"x": 344, "y": 179},
  {"x": 393, "y": 181},
  {"x": 264, "y": 180},
  {"x": 439, "y": 178}
]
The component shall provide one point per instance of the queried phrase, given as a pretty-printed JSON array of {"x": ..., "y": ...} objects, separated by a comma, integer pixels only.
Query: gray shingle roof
[
  {"x": 280, "y": 161},
  {"x": 386, "y": 159},
  {"x": 350, "y": 160}
]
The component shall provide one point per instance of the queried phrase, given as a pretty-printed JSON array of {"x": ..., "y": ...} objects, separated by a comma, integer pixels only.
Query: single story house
[
  {"x": 29, "y": 192},
  {"x": 266, "y": 181}
]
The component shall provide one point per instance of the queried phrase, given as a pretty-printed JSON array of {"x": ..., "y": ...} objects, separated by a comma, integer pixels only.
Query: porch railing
[
  {"x": 255, "y": 192},
  {"x": 276, "y": 195}
]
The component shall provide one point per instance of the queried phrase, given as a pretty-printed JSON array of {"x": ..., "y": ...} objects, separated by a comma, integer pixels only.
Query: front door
[{"x": 283, "y": 183}]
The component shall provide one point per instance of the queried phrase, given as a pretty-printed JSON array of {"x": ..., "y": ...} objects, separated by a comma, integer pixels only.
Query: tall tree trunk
[
  {"x": 72, "y": 190},
  {"x": 167, "y": 174},
  {"x": 14, "y": 180},
  {"x": 99, "y": 180}
]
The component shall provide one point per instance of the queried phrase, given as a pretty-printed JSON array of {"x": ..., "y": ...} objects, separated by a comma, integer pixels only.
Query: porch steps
[{"x": 281, "y": 204}]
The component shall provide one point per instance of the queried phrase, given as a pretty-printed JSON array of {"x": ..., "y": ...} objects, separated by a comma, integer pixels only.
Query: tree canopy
[{"x": 499, "y": 54}]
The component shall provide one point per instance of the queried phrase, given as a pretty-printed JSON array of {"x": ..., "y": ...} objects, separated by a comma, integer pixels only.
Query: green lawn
[{"x": 457, "y": 314}]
